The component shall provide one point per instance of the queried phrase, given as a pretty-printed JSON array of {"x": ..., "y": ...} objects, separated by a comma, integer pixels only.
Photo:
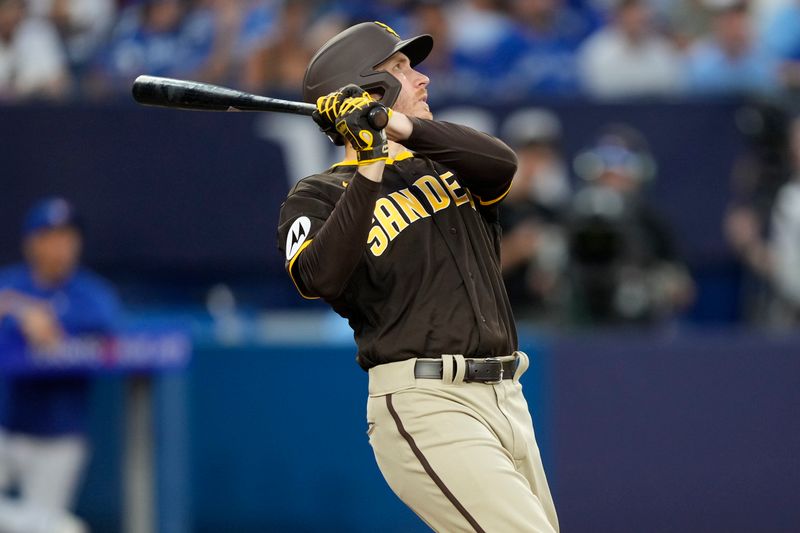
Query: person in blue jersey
[
  {"x": 731, "y": 60},
  {"x": 47, "y": 299},
  {"x": 158, "y": 37}
]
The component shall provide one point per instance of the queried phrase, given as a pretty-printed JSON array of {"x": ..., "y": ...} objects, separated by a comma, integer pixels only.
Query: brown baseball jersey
[{"x": 412, "y": 262}]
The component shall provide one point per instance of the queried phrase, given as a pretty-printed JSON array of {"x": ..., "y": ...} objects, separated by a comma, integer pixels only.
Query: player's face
[
  {"x": 413, "y": 99},
  {"x": 53, "y": 253}
]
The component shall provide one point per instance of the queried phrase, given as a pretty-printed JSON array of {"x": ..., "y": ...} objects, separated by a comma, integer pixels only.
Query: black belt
[{"x": 489, "y": 370}]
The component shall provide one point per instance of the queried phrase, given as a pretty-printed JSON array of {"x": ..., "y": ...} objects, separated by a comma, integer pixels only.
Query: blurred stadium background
[{"x": 651, "y": 416}]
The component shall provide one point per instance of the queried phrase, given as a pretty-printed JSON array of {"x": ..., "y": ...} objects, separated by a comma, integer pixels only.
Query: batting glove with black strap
[
  {"x": 361, "y": 121},
  {"x": 363, "y": 127}
]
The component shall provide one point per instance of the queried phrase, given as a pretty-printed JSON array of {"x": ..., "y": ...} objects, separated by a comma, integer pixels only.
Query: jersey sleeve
[
  {"x": 302, "y": 215},
  {"x": 484, "y": 164},
  {"x": 10, "y": 332},
  {"x": 86, "y": 305},
  {"x": 322, "y": 237},
  {"x": 99, "y": 310}
]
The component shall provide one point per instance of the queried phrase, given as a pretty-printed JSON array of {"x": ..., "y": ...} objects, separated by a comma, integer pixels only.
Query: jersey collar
[{"x": 405, "y": 154}]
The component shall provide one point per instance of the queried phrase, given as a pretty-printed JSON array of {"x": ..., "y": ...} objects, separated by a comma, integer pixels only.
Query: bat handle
[{"x": 378, "y": 117}]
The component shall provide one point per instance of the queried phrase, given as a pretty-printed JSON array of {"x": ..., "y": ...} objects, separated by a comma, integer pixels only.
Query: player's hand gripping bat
[{"x": 184, "y": 94}]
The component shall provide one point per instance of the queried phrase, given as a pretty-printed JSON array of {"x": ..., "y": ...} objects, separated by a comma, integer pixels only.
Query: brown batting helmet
[{"x": 351, "y": 57}]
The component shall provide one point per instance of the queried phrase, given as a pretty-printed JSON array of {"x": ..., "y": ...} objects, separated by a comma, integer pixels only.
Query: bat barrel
[{"x": 183, "y": 94}]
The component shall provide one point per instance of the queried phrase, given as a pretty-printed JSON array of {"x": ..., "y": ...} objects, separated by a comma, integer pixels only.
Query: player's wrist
[
  {"x": 366, "y": 157},
  {"x": 399, "y": 127},
  {"x": 372, "y": 170}
]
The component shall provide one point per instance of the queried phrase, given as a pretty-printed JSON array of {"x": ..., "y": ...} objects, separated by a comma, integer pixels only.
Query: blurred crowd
[
  {"x": 506, "y": 50},
  {"x": 599, "y": 255},
  {"x": 593, "y": 250}
]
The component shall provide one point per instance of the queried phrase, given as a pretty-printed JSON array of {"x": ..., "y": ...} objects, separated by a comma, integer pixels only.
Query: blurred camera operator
[
  {"x": 624, "y": 268},
  {"x": 533, "y": 252},
  {"x": 776, "y": 257},
  {"x": 43, "y": 419}
]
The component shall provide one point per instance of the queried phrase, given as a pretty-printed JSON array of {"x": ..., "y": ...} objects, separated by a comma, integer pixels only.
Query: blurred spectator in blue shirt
[
  {"x": 485, "y": 47},
  {"x": 32, "y": 63},
  {"x": 157, "y": 37},
  {"x": 783, "y": 39},
  {"x": 730, "y": 60},
  {"x": 551, "y": 33},
  {"x": 629, "y": 57},
  {"x": 43, "y": 419}
]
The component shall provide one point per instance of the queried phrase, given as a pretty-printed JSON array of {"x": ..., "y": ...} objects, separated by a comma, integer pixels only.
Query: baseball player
[
  {"x": 402, "y": 239},
  {"x": 49, "y": 298}
]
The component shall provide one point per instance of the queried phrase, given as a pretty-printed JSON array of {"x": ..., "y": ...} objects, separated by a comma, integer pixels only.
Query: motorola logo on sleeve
[{"x": 297, "y": 236}]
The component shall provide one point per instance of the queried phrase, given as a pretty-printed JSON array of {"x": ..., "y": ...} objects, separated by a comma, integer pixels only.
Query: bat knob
[{"x": 378, "y": 117}]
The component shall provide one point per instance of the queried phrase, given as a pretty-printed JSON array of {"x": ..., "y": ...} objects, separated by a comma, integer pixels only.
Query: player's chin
[{"x": 423, "y": 111}]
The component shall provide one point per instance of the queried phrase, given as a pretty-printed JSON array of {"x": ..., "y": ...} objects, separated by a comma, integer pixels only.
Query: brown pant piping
[{"x": 428, "y": 469}]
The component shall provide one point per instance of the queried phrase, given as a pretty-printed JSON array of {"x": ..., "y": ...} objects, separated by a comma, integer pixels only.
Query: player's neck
[{"x": 395, "y": 149}]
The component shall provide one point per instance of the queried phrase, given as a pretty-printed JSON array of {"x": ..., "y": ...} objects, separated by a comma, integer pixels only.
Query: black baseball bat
[{"x": 194, "y": 95}]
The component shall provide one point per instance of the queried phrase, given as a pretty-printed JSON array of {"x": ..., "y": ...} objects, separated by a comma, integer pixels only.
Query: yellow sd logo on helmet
[{"x": 387, "y": 28}]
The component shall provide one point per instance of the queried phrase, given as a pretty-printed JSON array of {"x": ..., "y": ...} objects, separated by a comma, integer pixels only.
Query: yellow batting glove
[{"x": 356, "y": 127}]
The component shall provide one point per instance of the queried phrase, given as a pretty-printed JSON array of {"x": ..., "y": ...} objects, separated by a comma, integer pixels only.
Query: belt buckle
[{"x": 500, "y": 366}]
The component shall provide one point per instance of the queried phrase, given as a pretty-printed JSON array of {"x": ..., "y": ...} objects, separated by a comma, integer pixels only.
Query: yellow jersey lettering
[
  {"x": 454, "y": 188},
  {"x": 411, "y": 206},
  {"x": 434, "y": 192},
  {"x": 377, "y": 240},
  {"x": 471, "y": 199},
  {"x": 389, "y": 218}
]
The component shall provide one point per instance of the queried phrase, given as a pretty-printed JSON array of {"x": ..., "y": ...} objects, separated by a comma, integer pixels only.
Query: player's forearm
[
  {"x": 399, "y": 127},
  {"x": 40, "y": 327},
  {"x": 483, "y": 163},
  {"x": 327, "y": 264}
]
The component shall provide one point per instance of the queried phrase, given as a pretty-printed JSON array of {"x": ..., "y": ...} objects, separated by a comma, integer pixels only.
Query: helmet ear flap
[{"x": 383, "y": 83}]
